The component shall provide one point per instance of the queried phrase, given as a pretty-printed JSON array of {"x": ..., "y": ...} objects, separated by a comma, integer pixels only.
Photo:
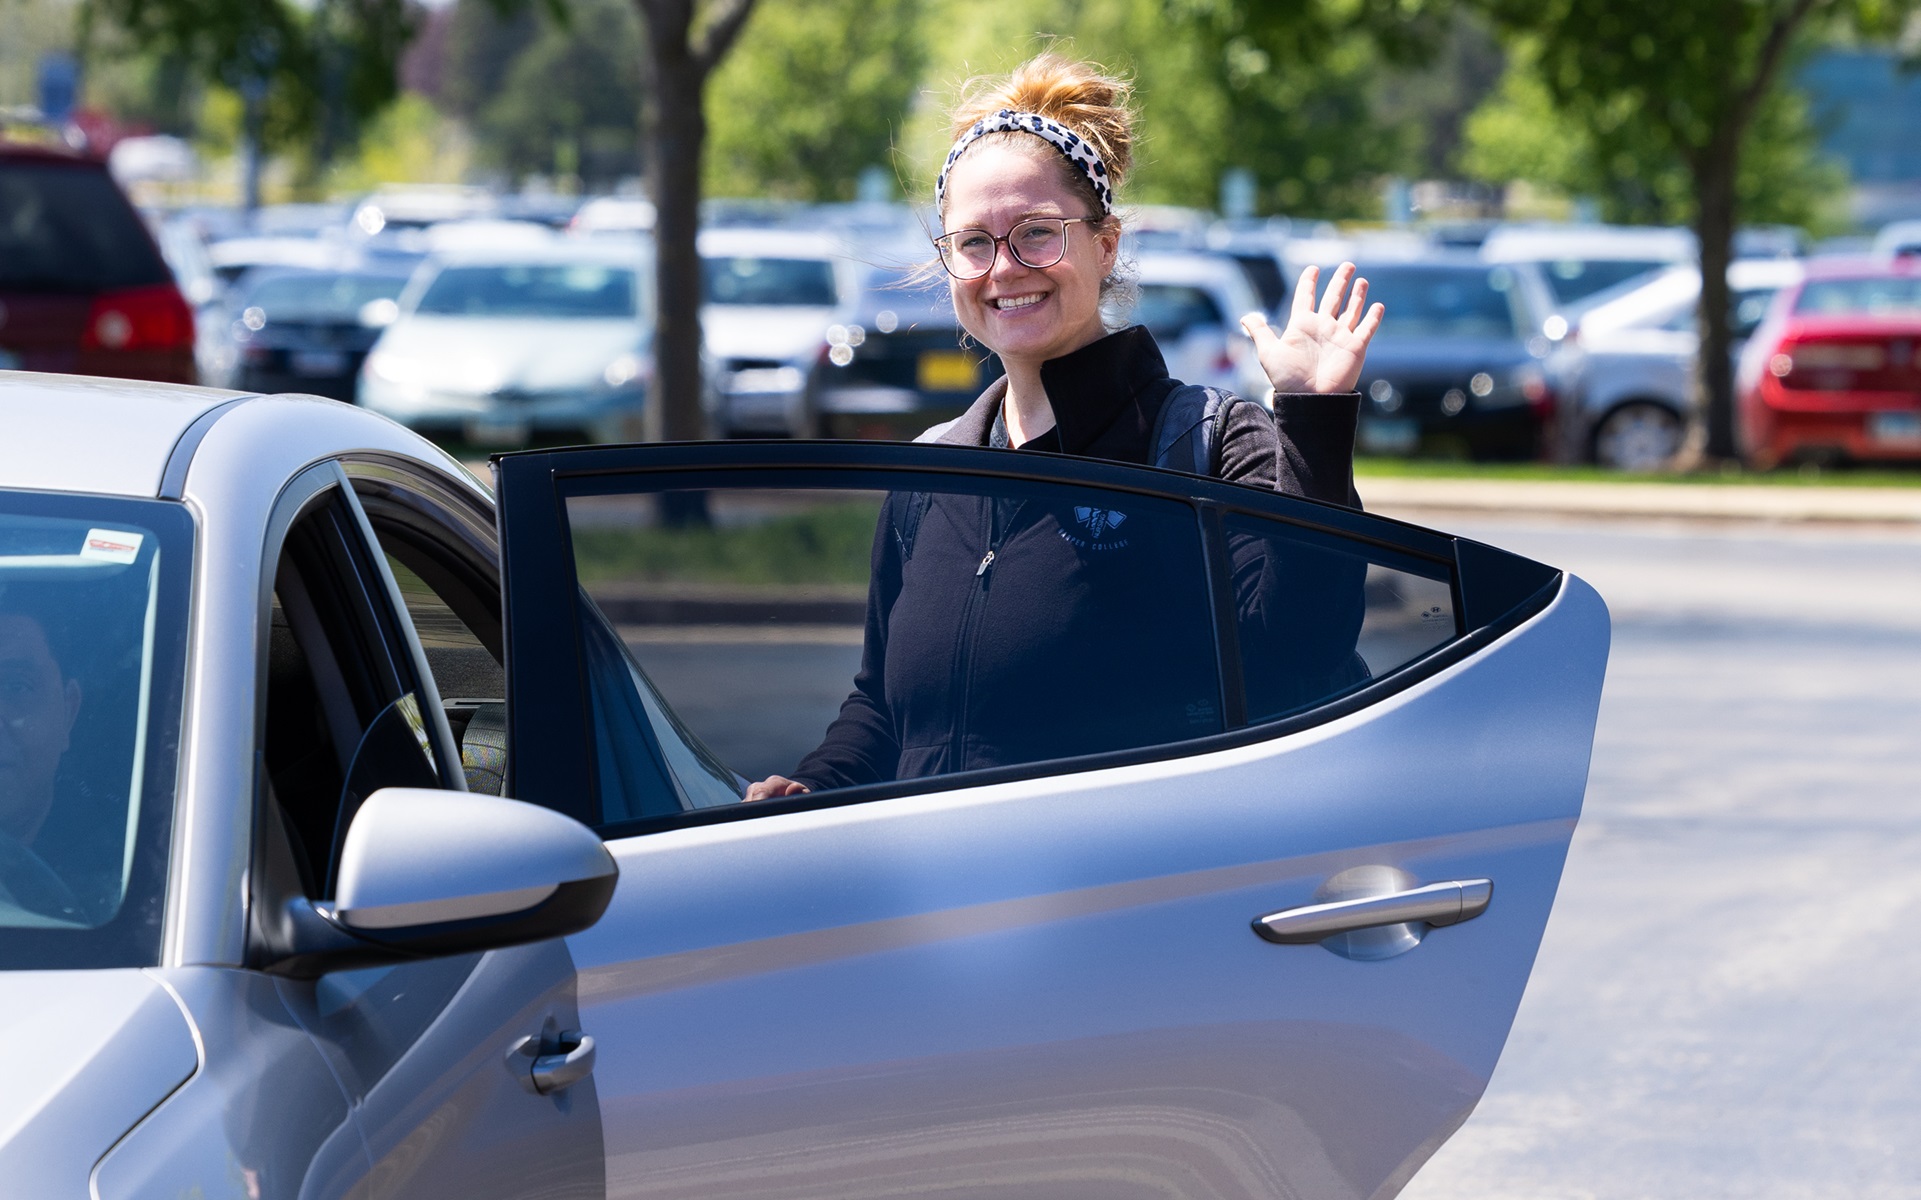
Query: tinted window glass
[
  {"x": 92, "y": 632},
  {"x": 1317, "y": 617},
  {"x": 320, "y": 297},
  {"x": 68, "y": 228},
  {"x": 1573, "y": 279},
  {"x": 806, "y": 282},
  {"x": 847, "y": 637},
  {"x": 1891, "y": 295},
  {"x": 531, "y": 290},
  {"x": 1456, "y": 302}
]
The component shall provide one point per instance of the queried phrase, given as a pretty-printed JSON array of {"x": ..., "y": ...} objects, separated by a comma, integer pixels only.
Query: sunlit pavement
[{"x": 1725, "y": 1001}]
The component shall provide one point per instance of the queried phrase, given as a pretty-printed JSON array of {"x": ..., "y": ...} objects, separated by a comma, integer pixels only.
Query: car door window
[
  {"x": 441, "y": 556},
  {"x": 343, "y": 715},
  {"x": 1316, "y": 616},
  {"x": 846, "y": 636},
  {"x": 864, "y": 625}
]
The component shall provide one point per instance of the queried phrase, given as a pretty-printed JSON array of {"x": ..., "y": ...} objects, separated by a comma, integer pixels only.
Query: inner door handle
[{"x": 1436, "y": 904}]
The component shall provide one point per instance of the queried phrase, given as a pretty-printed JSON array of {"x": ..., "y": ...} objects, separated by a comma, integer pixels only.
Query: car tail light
[
  {"x": 1851, "y": 364},
  {"x": 142, "y": 318},
  {"x": 1539, "y": 395}
]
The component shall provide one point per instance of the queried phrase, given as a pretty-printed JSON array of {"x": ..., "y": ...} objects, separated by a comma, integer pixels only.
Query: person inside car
[
  {"x": 1032, "y": 252},
  {"x": 39, "y": 703}
]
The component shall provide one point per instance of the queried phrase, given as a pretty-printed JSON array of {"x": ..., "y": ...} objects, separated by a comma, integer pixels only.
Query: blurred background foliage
[{"x": 1320, "y": 99}]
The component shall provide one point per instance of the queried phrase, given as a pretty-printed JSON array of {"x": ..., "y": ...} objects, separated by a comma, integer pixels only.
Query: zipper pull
[{"x": 985, "y": 563}]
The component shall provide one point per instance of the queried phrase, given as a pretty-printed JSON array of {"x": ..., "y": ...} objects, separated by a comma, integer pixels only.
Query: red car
[
  {"x": 1835, "y": 369},
  {"x": 83, "y": 289}
]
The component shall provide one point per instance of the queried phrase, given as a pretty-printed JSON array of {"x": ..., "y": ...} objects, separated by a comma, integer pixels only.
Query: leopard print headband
[{"x": 1072, "y": 146}]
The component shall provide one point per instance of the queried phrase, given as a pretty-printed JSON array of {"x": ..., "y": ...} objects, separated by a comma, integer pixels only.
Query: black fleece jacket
[{"x": 1064, "y": 643}]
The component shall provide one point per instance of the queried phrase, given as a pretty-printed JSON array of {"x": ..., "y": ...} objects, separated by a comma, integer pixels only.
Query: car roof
[
  {"x": 1551, "y": 243},
  {"x": 552, "y": 250},
  {"x": 744, "y": 241},
  {"x": 73, "y": 433},
  {"x": 1862, "y": 268}
]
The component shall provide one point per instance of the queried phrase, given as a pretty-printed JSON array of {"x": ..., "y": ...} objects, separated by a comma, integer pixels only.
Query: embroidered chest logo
[{"x": 1095, "y": 528}]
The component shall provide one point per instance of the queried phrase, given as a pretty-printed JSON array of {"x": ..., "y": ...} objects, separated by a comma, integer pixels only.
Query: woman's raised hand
[{"x": 1323, "y": 347}]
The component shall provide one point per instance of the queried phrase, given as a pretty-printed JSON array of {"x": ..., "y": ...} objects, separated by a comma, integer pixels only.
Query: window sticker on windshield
[{"x": 111, "y": 545}]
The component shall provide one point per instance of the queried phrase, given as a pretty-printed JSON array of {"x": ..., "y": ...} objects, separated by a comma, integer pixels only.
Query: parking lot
[{"x": 1723, "y": 1005}]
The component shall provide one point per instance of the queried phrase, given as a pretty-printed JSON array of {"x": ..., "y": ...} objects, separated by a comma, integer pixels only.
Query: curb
[{"x": 1717, "y": 502}]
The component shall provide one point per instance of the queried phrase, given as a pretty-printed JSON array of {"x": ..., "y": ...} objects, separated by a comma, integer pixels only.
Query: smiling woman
[{"x": 1031, "y": 246}]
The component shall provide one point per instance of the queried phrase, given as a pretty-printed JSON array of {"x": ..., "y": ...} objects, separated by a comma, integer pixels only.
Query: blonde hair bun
[{"x": 1080, "y": 95}]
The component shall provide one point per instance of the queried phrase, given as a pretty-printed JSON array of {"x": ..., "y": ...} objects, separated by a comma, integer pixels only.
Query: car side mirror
[
  {"x": 426, "y": 872},
  {"x": 378, "y": 314}
]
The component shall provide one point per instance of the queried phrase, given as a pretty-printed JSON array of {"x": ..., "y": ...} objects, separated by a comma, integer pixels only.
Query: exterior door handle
[
  {"x": 562, "y": 1070},
  {"x": 551, "y": 1061},
  {"x": 1436, "y": 904}
]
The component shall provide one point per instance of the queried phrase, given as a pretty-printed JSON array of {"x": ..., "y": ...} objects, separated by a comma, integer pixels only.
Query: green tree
[
  {"x": 309, "y": 72},
  {"x": 1518, "y": 133},
  {"x": 815, "y": 92},
  {"x": 588, "y": 127},
  {"x": 1685, "y": 84}
]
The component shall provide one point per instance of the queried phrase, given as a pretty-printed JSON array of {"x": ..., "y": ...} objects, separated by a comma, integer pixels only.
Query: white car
[
  {"x": 1578, "y": 261},
  {"x": 543, "y": 337},
  {"x": 1193, "y": 304},
  {"x": 1625, "y": 375},
  {"x": 269, "y": 929},
  {"x": 768, "y": 300}
]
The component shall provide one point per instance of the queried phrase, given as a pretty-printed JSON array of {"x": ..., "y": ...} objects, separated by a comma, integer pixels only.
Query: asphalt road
[{"x": 1728, "y": 999}]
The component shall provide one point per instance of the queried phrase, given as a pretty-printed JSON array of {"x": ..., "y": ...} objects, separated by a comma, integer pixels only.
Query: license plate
[
  {"x": 1895, "y": 428},
  {"x": 948, "y": 371},
  {"x": 1397, "y": 435},
  {"x": 496, "y": 431},
  {"x": 319, "y": 362}
]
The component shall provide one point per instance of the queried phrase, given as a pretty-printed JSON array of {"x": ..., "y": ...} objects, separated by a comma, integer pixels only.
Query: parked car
[
  {"x": 1193, "y": 304},
  {"x": 498, "y": 346},
  {"x": 768, "y": 297},
  {"x": 1898, "y": 239},
  {"x": 304, "y": 331},
  {"x": 1625, "y": 375},
  {"x": 1832, "y": 371},
  {"x": 902, "y": 362},
  {"x": 1576, "y": 261},
  {"x": 276, "y": 663},
  {"x": 1456, "y": 366},
  {"x": 83, "y": 287}
]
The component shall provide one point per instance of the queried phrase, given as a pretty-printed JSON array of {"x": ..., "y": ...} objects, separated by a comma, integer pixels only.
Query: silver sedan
[{"x": 269, "y": 667}]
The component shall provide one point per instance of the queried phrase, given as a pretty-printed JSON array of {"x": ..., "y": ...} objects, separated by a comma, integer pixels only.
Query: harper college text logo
[{"x": 1097, "y": 528}]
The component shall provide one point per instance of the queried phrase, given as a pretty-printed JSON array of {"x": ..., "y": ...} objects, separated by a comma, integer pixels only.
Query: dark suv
[{"x": 83, "y": 289}]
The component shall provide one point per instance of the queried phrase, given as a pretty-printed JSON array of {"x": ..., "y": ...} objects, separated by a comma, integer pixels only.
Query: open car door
[{"x": 1233, "y": 895}]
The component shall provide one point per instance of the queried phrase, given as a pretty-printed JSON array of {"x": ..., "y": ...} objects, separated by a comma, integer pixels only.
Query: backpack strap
[{"x": 1189, "y": 429}]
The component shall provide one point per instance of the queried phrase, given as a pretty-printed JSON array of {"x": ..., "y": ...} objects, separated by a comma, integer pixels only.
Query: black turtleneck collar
[{"x": 1104, "y": 396}]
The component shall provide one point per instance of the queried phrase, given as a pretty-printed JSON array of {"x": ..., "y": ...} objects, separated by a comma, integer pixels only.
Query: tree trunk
[
  {"x": 678, "y": 129},
  {"x": 1714, "y": 174}
]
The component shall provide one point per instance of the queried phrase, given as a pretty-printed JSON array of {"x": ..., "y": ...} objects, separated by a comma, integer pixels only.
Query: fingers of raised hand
[
  {"x": 1255, "y": 326},
  {"x": 1370, "y": 323},
  {"x": 1356, "y": 305},
  {"x": 1304, "y": 291},
  {"x": 1336, "y": 289}
]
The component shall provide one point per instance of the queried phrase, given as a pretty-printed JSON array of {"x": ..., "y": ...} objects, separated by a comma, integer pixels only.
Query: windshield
[
  {"x": 321, "y": 296},
  {"x": 796, "y": 282},
  {"x": 1446, "y": 302},
  {"x": 563, "y": 290},
  {"x": 1888, "y": 295},
  {"x": 92, "y": 640}
]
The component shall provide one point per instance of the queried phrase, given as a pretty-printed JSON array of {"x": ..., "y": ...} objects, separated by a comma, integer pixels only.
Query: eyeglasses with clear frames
[{"x": 1036, "y": 243}]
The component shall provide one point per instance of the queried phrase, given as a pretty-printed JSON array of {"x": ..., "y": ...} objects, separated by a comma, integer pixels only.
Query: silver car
[{"x": 268, "y": 667}]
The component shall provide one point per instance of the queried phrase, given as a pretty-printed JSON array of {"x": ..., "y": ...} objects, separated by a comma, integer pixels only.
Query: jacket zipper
[{"x": 971, "y": 615}]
